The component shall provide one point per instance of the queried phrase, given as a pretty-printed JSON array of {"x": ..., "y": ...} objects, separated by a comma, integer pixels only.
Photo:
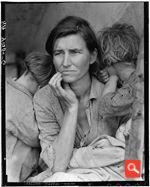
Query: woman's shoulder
[
  {"x": 44, "y": 91},
  {"x": 97, "y": 83},
  {"x": 45, "y": 95}
]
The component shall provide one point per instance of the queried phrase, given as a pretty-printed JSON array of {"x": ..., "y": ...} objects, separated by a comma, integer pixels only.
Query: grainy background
[{"x": 28, "y": 24}]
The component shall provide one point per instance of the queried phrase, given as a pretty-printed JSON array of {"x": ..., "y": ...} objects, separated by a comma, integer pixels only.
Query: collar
[{"x": 96, "y": 89}]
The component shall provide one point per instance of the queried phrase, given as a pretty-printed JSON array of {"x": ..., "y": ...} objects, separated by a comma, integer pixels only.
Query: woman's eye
[
  {"x": 74, "y": 52},
  {"x": 57, "y": 53}
]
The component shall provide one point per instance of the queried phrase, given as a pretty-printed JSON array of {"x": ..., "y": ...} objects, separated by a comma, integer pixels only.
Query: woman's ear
[{"x": 93, "y": 56}]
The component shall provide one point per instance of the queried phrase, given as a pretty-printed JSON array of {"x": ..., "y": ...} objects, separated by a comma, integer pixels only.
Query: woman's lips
[{"x": 67, "y": 71}]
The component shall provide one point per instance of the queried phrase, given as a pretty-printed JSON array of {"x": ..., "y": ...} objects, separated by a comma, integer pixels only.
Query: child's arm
[
  {"x": 111, "y": 85},
  {"x": 117, "y": 103}
]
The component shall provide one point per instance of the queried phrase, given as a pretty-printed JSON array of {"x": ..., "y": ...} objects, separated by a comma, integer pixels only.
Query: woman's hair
[
  {"x": 74, "y": 25},
  {"x": 119, "y": 43},
  {"x": 40, "y": 66}
]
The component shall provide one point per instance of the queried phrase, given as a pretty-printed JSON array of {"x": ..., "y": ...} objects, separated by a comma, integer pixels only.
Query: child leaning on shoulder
[{"x": 120, "y": 47}]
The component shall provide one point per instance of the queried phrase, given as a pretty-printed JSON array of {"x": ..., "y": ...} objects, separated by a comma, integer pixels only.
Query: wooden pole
[{"x": 135, "y": 140}]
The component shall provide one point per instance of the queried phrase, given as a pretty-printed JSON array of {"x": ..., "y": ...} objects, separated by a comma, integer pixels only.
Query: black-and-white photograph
[{"x": 75, "y": 93}]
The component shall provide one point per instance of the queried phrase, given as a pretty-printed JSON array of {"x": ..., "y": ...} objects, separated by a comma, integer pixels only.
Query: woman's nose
[{"x": 66, "y": 60}]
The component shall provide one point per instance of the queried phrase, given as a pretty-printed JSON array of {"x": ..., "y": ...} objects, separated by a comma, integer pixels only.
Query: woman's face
[{"x": 72, "y": 58}]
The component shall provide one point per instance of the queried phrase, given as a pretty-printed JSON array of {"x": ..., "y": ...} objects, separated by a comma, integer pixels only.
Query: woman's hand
[{"x": 66, "y": 93}]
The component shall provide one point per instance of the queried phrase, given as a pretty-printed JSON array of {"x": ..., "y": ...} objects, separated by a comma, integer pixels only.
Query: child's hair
[
  {"x": 119, "y": 43},
  {"x": 40, "y": 66}
]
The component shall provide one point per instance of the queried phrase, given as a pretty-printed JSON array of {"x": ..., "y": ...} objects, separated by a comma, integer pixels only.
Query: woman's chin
[{"x": 68, "y": 79}]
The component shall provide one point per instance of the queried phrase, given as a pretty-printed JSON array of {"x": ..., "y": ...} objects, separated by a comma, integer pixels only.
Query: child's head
[
  {"x": 119, "y": 43},
  {"x": 40, "y": 66}
]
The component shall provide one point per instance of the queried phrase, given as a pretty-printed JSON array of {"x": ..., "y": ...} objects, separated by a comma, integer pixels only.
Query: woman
[
  {"x": 22, "y": 143},
  {"x": 67, "y": 109}
]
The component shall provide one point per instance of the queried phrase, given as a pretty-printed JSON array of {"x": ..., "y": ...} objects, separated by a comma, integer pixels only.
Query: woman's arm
[
  {"x": 64, "y": 143},
  {"x": 56, "y": 142}
]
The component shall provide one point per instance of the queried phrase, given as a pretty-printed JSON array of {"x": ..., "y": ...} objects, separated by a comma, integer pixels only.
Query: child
[
  {"x": 22, "y": 143},
  {"x": 120, "y": 46}
]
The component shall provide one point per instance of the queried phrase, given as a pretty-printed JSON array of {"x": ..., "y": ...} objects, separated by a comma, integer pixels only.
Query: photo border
[{"x": 146, "y": 106}]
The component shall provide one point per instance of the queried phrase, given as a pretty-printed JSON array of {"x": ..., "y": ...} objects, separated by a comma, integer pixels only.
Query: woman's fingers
[
  {"x": 53, "y": 80},
  {"x": 59, "y": 88},
  {"x": 67, "y": 95},
  {"x": 55, "y": 83}
]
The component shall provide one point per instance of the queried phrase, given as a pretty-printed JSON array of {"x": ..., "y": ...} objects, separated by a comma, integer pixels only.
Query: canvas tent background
[{"x": 28, "y": 25}]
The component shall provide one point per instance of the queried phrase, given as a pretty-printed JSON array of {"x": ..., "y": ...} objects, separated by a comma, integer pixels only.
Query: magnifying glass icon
[{"x": 132, "y": 167}]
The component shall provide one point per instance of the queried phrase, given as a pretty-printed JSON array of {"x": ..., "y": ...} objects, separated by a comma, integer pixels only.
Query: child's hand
[{"x": 104, "y": 76}]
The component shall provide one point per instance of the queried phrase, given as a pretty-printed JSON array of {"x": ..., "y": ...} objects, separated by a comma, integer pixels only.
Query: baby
[{"x": 120, "y": 47}]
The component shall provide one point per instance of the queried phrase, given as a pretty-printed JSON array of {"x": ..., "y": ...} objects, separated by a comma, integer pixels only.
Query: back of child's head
[
  {"x": 40, "y": 66},
  {"x": 119, "y": 43}
]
